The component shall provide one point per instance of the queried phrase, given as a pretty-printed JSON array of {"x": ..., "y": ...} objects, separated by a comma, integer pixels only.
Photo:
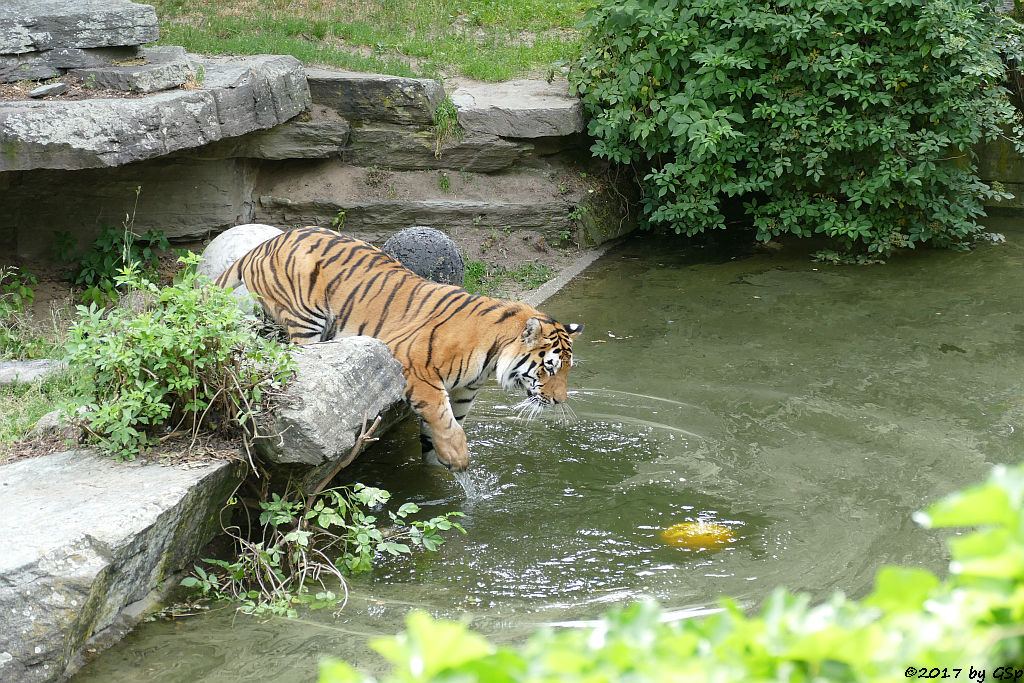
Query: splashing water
[{"x": 469, "y": 486}]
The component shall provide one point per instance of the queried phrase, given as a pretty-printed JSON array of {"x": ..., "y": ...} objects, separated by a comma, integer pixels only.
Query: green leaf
[{"x": 901, "y": 589}]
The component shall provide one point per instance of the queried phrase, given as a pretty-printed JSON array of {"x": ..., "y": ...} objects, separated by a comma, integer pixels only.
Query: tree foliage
[{"x": 854, "y": 119}]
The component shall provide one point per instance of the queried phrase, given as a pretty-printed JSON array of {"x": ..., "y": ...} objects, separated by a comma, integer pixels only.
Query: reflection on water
[{"x": 808, "y": 408}]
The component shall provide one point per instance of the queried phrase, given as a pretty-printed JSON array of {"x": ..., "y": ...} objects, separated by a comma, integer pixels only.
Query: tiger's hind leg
[{"x": 460, "y": 400}]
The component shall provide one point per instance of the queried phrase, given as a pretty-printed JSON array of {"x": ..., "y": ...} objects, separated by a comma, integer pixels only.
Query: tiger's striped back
[{"x": 319, "y": 285}]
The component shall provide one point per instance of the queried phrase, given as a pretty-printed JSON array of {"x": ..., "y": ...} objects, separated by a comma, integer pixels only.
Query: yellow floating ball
[{"x": 697, "y": 535}]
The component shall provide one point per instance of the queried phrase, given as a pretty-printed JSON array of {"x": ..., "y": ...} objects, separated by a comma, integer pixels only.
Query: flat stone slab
[
  {"x": 379, "y": 219},
  {"x": 163, "y": 68},
  {"x": 405, "y": 148},
  {"x": 290, "y": 140},
  {"x": 519, "y": 109},
  {"x": 84, "y": 537},
  {"x": 239, "y": 95},
  {"x": 12, "y": 371},
  {"x": 376, "y": 97},
  {"x": 34, "y": 25},
  {"x": 49, "y": 63}
]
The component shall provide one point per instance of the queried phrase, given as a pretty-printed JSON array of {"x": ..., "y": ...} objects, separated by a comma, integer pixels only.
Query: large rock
[
  {"x": 376, "y": 97},
  {"x": 84, "y": 538},
  {"x": 240, "y": 95},
  {"x": 379, "y": 219},
  {"x": 519, "y": 109},
  {"x": 403, "y": 148},
  {"x": 46, "y": 24},
  {"x": 337, "y": 384}
]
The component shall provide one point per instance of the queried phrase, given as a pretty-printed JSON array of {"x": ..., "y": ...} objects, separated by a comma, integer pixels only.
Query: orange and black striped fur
[{"x": 320, "y": 285}]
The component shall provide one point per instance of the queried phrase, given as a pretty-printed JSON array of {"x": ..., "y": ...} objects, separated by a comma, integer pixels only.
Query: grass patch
[
  {"x": 498, "y": 281},
  {"x": 21, "y": 405},
  {"x": 489, "y": 40}
]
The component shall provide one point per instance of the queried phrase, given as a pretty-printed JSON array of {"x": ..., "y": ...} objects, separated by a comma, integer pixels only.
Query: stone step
[
  {"x": 377, "y": 97},
  {"x": 40, "y": 65},
  {"x": 161, "y": 68},
  {"x": 376, "y": 220},
  {"x": 519, "y": 109}
]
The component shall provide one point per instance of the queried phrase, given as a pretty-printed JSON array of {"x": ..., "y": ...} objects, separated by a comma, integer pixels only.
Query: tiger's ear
[
  {"x": 574, "y": 328},
  {"x": 531, "y": 334}
]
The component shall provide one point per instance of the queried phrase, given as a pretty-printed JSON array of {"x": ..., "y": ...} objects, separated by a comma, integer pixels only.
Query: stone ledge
[
  {"x": 519, "y": 109},
  {"x": 377, "y": 220},
  {"x": 376, "y": 97},
  {"x": 77, "y": 550},
  {"x": 45, "y": 24},
  {"x": 165, "y": 68},
  {"x": 240, "y": 95},
  {"x": 50, "y": 63}
]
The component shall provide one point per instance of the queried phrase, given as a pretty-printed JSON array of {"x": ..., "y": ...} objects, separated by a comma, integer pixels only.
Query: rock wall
[{"x": 220, "y": 164}]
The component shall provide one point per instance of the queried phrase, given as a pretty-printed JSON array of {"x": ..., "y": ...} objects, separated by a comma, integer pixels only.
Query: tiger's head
[{"x": 538, "y": 363}]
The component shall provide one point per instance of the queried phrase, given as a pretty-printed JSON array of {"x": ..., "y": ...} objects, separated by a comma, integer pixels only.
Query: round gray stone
[{"x": 429, "y": 253}]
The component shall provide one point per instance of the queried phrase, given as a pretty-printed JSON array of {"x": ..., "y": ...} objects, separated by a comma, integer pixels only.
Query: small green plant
[
  {"x": 64, "y": 243},
  {"x": 15, "y": 290},
  {"x": 188, "y": 357},
  {"x": 444, "y": 182},
  {"x": 446, "y": 125},
  {"x": 375, "y": 176},
  {"x": 114, "y": 250},
  {"x": 338, "y": 222},
  {"x": 304, "y": 543},
  {"x": 90, "y": 81}
]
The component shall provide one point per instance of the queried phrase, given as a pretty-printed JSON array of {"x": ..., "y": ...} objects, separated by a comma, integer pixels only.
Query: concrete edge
[{"x": 538, "y": 296}]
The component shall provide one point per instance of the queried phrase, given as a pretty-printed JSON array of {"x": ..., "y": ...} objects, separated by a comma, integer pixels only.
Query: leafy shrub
[
  {"x": 274, "y": 574},
  {"x": 853, "y": 119},
  {"x": 911, "y": 626},
  {"x": 115, "y": 248},
  {"x": 188, "y": 356}
]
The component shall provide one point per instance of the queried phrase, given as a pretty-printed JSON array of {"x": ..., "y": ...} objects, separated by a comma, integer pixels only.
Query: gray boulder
[
  {"x": 337, "y": 384},
  {"x": 429, "y": 253},
  {"x": 80, "y": 551},
  {"x": 46, "y": 24},
  {"x": 519, "y": 109},
  {"x": 376, "y": 97}
]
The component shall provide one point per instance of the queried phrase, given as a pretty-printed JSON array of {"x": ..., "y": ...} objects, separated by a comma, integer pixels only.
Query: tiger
[{"x": 318, "y": 285}]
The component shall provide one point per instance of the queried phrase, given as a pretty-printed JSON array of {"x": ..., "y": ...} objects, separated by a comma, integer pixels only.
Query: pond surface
[{"x": 808, "y": 408}]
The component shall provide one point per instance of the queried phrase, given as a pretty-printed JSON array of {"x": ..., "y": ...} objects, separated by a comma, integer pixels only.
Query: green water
[{"x": 811, "y": 408}]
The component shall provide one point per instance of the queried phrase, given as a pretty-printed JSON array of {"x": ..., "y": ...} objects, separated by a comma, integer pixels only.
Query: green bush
[
  {"x": 853, "y": 119},
  {"x": 187, "y": 356},
  {"x": 913, "y": 625}
]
